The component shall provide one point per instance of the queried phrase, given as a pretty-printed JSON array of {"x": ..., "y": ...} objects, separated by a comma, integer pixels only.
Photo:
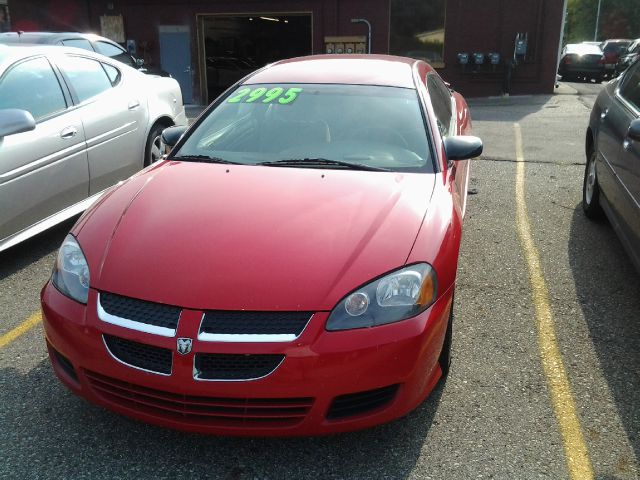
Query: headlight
[
  {"x": 71, "y": 272},
  {"x": 394, "y": 297}
]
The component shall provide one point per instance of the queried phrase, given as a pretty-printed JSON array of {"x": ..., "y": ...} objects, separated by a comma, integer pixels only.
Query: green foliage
[{"x": 618, "y": 19}]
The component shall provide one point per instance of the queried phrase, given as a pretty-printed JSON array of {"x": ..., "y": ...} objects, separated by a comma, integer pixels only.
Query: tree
[{"x": 618, "y": 19}]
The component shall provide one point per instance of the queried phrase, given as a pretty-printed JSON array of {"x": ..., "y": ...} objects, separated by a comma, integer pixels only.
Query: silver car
[{"x": 72, "y": 124}]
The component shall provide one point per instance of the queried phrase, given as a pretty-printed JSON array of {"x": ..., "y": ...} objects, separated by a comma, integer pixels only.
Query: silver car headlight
[
  {"x": 397, "y": 296},
  {"x": 71, "y": 272}
]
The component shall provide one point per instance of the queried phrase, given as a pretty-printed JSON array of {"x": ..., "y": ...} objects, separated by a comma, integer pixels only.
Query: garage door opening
[{"x": 237, "y": 45}]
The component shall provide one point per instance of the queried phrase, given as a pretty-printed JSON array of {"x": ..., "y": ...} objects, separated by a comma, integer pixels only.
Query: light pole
[
  {"x": 363, "y": 20},
  {"x": 595, "y": 34}
]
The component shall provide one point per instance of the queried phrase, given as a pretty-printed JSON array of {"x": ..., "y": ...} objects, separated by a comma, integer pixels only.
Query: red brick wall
[{"x": 484, "y": 26}]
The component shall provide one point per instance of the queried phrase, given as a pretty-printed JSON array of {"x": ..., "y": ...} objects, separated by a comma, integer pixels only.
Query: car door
[
  {"x": 627, "y": 163},
  {"x": 114, "y": 117},
  {"x": 42, "y": 171}
]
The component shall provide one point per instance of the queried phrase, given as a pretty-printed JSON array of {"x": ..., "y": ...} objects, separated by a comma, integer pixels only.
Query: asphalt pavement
[{"x": 494, "y": 417}]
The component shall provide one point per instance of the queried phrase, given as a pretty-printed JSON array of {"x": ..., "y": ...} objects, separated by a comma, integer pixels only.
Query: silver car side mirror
[{"x": 14, "y": 121}]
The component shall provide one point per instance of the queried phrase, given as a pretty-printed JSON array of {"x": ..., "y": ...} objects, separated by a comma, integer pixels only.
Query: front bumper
[{"x": 390, "y": 368}]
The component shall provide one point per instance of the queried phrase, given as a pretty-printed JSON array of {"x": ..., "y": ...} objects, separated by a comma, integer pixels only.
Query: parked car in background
[
  {"x": 611, "y": 50},
  {"x": 85, "y": 41},
  {"x": 289, "y": 269},
  {"x": 628, "y": 56},
  {"x": 72, "y": 124},
  {"x": 581, "y": 61},
  {"x": 612, "y": 175}
]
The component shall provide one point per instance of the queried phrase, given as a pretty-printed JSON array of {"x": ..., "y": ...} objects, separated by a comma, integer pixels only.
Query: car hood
[{"x": 211, "y": 236}]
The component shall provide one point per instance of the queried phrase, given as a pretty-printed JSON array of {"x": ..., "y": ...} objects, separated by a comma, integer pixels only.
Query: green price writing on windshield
[{"x": 263, "y": 95}]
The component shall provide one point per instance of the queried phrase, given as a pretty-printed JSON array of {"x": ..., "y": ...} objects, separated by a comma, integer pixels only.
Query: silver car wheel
[
  {"x": 591, "y": 180},
  {"x": 155, "y": 152}
]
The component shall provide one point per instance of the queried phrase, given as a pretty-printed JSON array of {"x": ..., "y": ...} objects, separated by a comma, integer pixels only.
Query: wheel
[
  {"x": 445, "y": 355},
  {"x": 152, "y": 152},
  {"x": 591, "y": 190}
]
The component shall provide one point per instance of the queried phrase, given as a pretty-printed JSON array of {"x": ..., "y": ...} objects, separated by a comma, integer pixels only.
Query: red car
[{"x": 289, "y": 269}]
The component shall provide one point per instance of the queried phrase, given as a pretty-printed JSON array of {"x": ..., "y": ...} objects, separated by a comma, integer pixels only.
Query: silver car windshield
[{"x": 315, "y": 125}]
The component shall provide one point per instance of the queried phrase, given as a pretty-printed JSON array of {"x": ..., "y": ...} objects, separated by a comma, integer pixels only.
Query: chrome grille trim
[
  {"x": 132, "y": 324},
  {"x": 249, "y": 338}
]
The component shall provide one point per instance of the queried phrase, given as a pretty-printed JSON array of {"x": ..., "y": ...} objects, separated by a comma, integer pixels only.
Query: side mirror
[
  {"x": 462, "y": 147},
  {"x": 139, "y": 62},
  {"x": 170, "y": 136},
  {"x": 634, "y": 130},
  {"x": 14, "y": 121}
]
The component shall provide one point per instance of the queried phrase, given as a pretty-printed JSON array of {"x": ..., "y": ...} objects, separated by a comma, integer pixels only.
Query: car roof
[
  {"x": 13, "y": 52},
  {"x": 384, "y": 70},
  {"x": 583, "y": 48},
  {"x": 46, "y": 37}
]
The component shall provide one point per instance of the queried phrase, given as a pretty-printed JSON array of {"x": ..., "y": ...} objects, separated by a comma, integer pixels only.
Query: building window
[{"x": 417, "y": 30}]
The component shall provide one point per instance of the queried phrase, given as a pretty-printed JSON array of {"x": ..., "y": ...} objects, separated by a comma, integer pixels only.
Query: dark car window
[
  {"x": 441, "y": 101},
  {"x": 78, "y": 43},
  {"x": 375, "y": 126},
  {"x": 87, "y": 76},
  {"x": 115, "y": 52},
  {"x": 32, "y": 86},
  {"x": 630, "y": 89}
]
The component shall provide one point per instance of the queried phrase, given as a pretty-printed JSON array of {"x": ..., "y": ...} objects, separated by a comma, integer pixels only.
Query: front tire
[
  {"x": 591, "y": 190},
  {"x": 152, "y": 152}
]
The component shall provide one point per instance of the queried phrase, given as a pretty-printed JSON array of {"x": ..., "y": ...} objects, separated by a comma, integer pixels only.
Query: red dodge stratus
[{"x": 288, "y": 269}]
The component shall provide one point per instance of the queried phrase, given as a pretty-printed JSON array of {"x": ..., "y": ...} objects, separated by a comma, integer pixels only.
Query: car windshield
[{"x": 316, "y": 126}]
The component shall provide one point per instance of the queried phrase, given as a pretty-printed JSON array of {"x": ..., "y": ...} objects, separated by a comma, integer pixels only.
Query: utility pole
[{"x": 595, "y": 34}]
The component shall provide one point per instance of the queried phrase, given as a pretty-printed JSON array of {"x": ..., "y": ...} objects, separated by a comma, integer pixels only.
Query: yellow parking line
[
  {"x": 575, "y": 448},
  {"x": 24, "y": 327}
]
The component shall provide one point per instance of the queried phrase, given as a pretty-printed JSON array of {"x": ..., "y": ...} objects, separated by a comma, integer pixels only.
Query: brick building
[{"x": 208, "y": 44}]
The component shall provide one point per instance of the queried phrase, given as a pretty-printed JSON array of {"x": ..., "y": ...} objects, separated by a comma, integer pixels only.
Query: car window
[
  {"x": 630, "y": 89},
  {"x": 115, "y": 52},
  {"x": 441, "y": 101},
  {"x": 78, "y": 43},
  {"x": 32, "y": 86},
  {"x": 87, "y": 77},
  {"x": 371, "y": 125},
  {"x": 113, "y": 73}
]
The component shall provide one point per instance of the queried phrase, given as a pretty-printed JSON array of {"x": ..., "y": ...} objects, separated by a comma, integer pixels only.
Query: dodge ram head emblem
[{"x": 184, "y": 345}]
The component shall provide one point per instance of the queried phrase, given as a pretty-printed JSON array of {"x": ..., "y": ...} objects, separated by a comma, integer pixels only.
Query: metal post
[
  {"x": 564, "y": 21},
  {"x": 364, "y": 20},
  {"x": 595, "y": 34}
]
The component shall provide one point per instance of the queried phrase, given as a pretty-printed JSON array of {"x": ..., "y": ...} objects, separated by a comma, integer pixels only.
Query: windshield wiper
[
  {"x": 204, "y": 159},
  {"x": 321, "y": 163}
]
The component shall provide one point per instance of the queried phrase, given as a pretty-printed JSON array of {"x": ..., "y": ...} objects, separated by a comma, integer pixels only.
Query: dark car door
[{"x": 627, "y": 164}]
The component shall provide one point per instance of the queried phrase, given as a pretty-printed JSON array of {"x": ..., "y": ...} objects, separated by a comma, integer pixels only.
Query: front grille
[
  {"x": 202, "y": 411},
  {"x": 361, "y": 402},
  {"x": 220, "y": 322},
  {"x": 150, "y": 313},
  {"x": 216, "y": 366},
  {"x": 139, "y": 355}
]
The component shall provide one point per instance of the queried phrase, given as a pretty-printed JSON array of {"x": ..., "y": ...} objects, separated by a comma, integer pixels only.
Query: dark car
[
  {"x": 628, "y": 56},
  {"x": 612, "y": 49},
  {"x": 86, "y": 41},
  {"x": 612, "y": 175},
  {"x": 581, "y": 61}
]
